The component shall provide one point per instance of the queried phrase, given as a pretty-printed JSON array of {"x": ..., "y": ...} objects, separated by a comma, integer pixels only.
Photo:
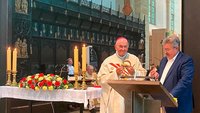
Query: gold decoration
[
  {"x": 8, "y": 83},
  {"x": 21, "y": 47},
  {"x": 14, "y": 83},
  {"x": 84, "y": 85},
  {"x": 76, "y": 85},
  {"x": 125, "y": 64}
]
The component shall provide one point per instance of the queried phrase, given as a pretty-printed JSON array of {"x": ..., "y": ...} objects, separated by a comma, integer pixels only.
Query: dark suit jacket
[{"x": 179, "y": 82}]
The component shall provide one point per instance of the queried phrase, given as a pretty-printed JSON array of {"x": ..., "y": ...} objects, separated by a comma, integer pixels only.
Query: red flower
[
  {"x": 21, "y": 85},
  {"x": 52, "y": 75},
  {"x": 32, "y": 86},
  {"x": 40, "y": 84},
  {"x": 64, "y": 81},
  {"x": 49, "y": 83},
  {"x": 45, "y": 81},
  {"x": 41, "y": 75},
  {"x": 57, "y": 83},
  {"x": 23, "y": 79},
  {"x": 36, "y": 81},
  {"x": 30, "y": 82},
  {"x": 33, "y": 76}
]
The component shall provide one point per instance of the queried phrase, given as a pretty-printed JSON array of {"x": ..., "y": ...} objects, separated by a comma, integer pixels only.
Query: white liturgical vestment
[{"x": 112, "y": 101}]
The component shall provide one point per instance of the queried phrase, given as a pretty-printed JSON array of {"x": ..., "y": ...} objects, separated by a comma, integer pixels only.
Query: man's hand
[
  {"x": 130, "y": 70},
  {"x": 119, "y": 70},
  {"x": 154, "y": 73}
]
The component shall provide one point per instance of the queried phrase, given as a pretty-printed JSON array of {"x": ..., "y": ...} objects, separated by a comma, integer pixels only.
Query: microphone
[{"x": 61, "y": 70}]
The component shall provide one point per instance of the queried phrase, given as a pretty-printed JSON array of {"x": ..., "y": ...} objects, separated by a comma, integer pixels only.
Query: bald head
[
  {"x": 90, "y": 69},
  {"x": 121, "y": 39},
  {"x": 121, "y": 46}
]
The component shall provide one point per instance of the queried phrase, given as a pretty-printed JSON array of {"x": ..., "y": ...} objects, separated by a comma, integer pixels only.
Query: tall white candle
[
  {"x": 8, "y": 58},
  {"x": 14, "y": 66},
  {"x": 75, "y": 60},
  {"x": 83, "y": 58}
]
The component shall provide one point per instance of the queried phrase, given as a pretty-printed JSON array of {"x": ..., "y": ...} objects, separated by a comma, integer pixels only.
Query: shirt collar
[
  {"x": 123, "y": 57},
  {"x": 174, "y": 57}
]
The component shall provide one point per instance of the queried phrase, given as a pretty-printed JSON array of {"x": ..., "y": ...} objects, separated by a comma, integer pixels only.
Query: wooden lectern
[{"x": 134, "y": 91}]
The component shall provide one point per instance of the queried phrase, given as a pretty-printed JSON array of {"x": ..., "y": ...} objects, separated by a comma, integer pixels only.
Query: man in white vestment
[{"x": 119, "y": 64}]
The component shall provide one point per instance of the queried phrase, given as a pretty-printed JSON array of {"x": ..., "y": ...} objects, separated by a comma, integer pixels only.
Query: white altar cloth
[{"x": 67, "y": 95}]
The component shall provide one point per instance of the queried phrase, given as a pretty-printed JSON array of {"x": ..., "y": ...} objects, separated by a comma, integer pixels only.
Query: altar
[{"x": 60, "y": 95}]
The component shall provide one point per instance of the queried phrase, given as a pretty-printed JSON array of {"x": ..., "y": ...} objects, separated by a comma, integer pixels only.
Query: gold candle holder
[
  {"x": 84, "y": 85},
  {"x": 8, "y": 82},
  {"x": 76, "y": 85},
  {"x": 14, "y": 83}
]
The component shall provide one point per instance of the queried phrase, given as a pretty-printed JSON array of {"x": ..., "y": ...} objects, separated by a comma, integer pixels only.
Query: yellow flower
[
  {"x": 48, "y": 79},
  {"x": 48, "y": 74},
  {"x": 28, "y": 78},
  {"x": 66, "y": 86},
  {"x": 44, "y": 88},
  {"x": 59, "y": 79},
  {"x": 37, "y": 88},
  {"x": 54, "y": 82},
  {"x": 36, "y": 76},
  {"x": 27, "y": 87},
  {"x": 40, "y": 78},
  {"x": 50, "y": 88}
]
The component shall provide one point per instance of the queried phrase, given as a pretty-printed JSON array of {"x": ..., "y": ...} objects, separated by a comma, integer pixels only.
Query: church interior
[{"x": 45, "y": 32}]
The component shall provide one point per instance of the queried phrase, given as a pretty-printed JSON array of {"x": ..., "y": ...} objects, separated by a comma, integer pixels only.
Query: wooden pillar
[
  {"x": 191, "y": 40},
  {"x": 5, "y": 41}
]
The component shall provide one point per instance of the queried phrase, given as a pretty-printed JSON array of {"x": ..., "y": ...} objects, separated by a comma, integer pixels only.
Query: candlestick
[
  {"x": 14, "y": 66},
  {"x": 14, "y": 83},
  {"x": 8, "y": 82},
  {"x": 8, "y": 59},
  {"x": 84, "y": 85},
  {"x": 76, "y": 85},
  {"x": 83, "y": 58}
]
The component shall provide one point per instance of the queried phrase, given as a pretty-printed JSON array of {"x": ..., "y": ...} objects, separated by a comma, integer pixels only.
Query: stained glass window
[
  {"x": 172, "y": 7},
  {"x": 152, "y": 12}
]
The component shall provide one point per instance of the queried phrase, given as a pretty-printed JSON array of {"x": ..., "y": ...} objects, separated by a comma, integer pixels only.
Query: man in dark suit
[{"x": 176, "y": 72}]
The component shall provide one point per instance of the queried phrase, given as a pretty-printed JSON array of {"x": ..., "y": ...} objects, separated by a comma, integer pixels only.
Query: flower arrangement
[{"x": 44, "y": 82}]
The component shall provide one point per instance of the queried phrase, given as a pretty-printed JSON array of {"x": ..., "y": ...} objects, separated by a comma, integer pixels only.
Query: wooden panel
[
  {"x": 47, "y": 51},
  {"x": 156, "y": 46},
  {"x": 155, "y": 89},
  {"x": 48, "y": 55},
  {"x": 24, "y": 106},
  {"x": 61, "y": 52},
  {"x": 34, "y": 54}
]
